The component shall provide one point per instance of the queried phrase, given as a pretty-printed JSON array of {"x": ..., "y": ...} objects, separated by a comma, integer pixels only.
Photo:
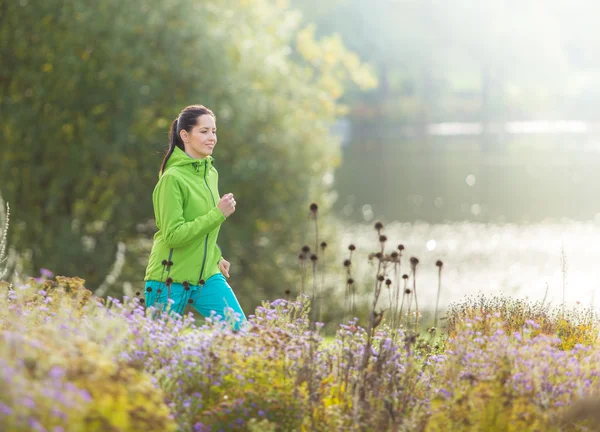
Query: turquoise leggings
[{"x": 215, "y": 295}]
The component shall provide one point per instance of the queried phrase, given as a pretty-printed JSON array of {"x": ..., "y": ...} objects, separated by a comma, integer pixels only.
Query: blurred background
[{"x": 469, "y": 128}]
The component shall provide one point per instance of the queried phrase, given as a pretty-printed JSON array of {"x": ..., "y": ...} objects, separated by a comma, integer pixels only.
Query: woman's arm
[{"x": 168, "y": 209}]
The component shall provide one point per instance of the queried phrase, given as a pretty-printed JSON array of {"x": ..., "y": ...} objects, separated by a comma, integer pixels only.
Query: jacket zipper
[{"x": 206, "y": 239}]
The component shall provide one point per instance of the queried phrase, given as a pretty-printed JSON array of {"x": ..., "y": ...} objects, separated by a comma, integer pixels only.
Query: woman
[{"x": 185, "y": 264}]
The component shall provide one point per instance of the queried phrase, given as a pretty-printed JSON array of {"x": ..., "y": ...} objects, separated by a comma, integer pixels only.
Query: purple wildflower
[{"x": 46, "y": 273}]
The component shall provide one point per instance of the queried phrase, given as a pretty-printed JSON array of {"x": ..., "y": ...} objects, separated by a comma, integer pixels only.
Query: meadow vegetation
[{"x": 71, "y": 361}]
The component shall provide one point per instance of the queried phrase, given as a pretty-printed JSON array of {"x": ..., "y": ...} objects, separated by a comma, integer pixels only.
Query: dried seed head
[
  {"x": 407, "y": 291},
  {"x": 378, "y": 226},
  {"x": 185, "y": 284},
  {"x": 301, "y": 257},
  {"x": 323, "y": 245},
  {"x": 352, "y": 247},
  {"x": 414, "y": 261},
  {"x": 306, "y": 249},
  {"x": 169, "y": 263},
  {"x": 142, "y": 301},
  {"x": 164, "y": 262},
  {"x": 149, "y": 289},
  {"x": 201, "y": 282},
  {"x": 405, "y": 276},
  {"x": 439, "y": 263},
  {"x": 313, "y": 208},
  {"x": 169, "y": 281},
  {"x": 347, "y": 263},
  {"x": 382, "y": 238},
  {"x": 400, "y": 247},
  {"x": 287, "y": 292},
  {"x": 410, "y": 339},
  {"x": 380, "y": 278},
  {"x": 394, "y": 255},
  {"x": 313, "y": 257},
  {"x": 350, "y": 281},
  {"x": 190, "y": 301},
  {"x": 137, "y": 293},
  {"x": 379, "y": 255},
  {"x": 159, "y": 291},
  {"x": 388, "y": 282}
]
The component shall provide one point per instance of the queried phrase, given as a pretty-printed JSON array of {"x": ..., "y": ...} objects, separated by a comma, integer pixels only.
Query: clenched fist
[
  {"x": 227, "y": 204},
  {"x": 224, "y": 267}
]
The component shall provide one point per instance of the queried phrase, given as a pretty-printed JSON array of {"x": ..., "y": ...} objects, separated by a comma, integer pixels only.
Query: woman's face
[{"x": 201, "y": 140}]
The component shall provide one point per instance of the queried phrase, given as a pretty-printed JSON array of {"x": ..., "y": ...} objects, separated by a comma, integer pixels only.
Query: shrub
[
  {"x": 59, "y": 365},
  {"x": 499, "y": 382},
  {"x": 573, "y": 327}
]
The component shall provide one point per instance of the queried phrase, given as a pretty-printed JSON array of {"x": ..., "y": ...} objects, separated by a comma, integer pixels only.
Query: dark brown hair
[{"x": 187, "y": 119}]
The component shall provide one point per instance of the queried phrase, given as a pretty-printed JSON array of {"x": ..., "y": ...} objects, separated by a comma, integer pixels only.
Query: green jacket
[{"x": 188, "y": 221}]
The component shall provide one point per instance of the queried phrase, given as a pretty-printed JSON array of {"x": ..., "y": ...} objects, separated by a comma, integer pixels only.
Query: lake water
[{"x": 519, "y": 260}]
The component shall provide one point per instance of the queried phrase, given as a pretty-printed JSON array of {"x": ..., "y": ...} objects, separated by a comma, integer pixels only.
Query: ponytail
[
  {"x": 186, "y": 120},
  {"x": 174, "y": 140}
]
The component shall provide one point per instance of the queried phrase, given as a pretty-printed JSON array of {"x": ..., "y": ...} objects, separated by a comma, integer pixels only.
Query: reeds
[{"x": 4, "y": 223}]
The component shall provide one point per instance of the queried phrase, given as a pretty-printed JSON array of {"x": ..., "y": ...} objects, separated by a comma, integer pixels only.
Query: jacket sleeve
[{"x": 168, "y": 210}]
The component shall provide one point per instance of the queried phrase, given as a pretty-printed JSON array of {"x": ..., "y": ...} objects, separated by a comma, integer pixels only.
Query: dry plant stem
[
  {"x": 416, "y": 303},
  {"x": 400, "y": 317},
  {"x": 347, "y": 300},
  {"x": 313, "y": 304},
  {"x": 546, "y": 295},
  {"x": 314, "y": 293},
  {"x": 339, "y": 370},
  {"x": 303, "y": 274},
  {"x": 437, "y": 301},
  {"x": 322, "y": 290},
  {"x": 352, "y": 299},
  {"x": 316, "y": 234},
  {"x": 310, "y": 381},
  {"x": 349, "y": 287},
  {"x": 397, "y": 268},
  {"x": 410, "y": 297},
  {"x": 352, "y": 291},
  {"x": 3, "y": 236},
  {"x": 368, "y": 344},
  {"x": 563, "y": 257},
  {"x": 349, "y": 297},
  {"x": 394, "y": 301},
  {"x": 390, "y": 299}
]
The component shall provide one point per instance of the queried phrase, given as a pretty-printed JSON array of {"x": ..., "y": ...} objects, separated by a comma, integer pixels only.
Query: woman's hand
[
  {"x": 224, "y": 267},
  {"x": 227, "y": 204}
]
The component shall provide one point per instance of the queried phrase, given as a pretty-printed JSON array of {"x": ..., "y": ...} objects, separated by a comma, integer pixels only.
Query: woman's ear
[{"x": 183, "y": 134}]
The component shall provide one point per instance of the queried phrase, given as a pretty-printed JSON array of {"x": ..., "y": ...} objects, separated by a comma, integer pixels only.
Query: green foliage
[
  {"x": 255, "y": 389},
  {"x": 487, "y": 407},
  {"x": 462, "y": 61},
  {"x": 87, "y": 112}
]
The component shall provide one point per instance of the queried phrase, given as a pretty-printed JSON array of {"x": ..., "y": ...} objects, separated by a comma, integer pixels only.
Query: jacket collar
[{"x": 182, "y": 159}]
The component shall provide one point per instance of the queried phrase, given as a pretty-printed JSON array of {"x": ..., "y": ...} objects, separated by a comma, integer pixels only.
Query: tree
[
  {"x": 428, "y": 52},
  {"x": 89, "y": 91}
]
